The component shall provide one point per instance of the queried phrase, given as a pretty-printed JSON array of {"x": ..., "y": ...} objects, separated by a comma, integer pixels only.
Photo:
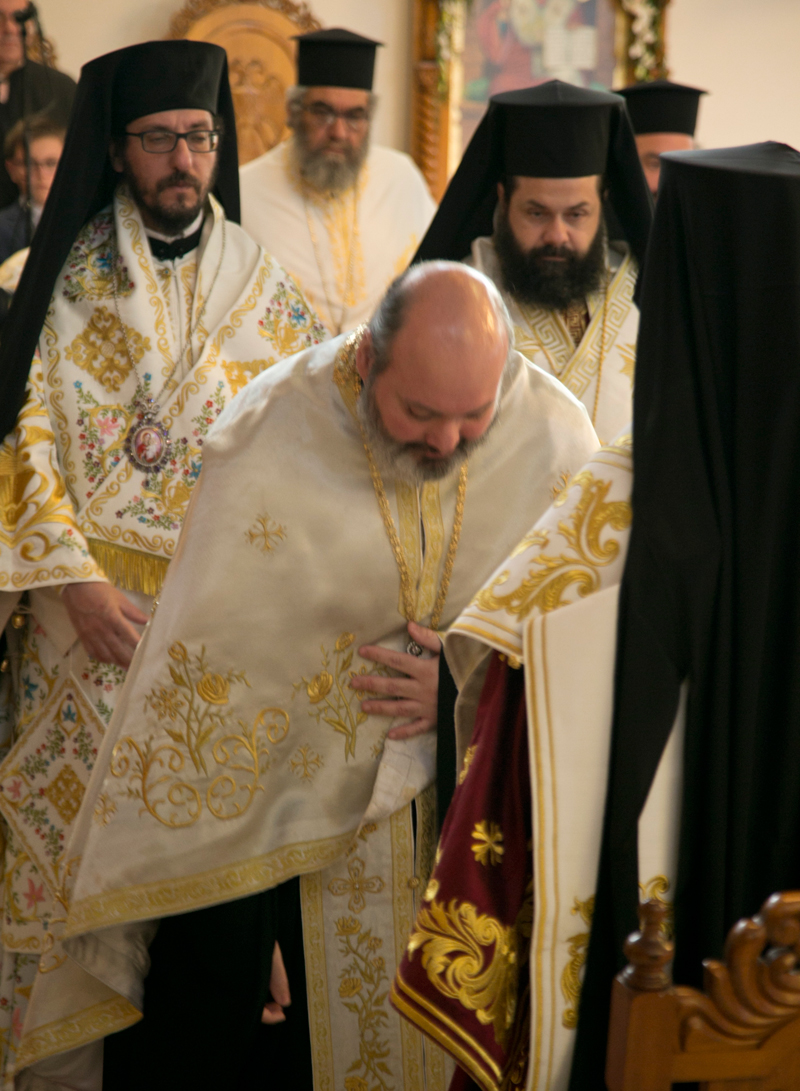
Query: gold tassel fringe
[{"x": 128, "y": 568}]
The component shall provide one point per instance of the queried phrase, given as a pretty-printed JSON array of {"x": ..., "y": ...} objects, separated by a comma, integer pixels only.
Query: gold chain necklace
[
  {"x": 335, "y": 329},
  {"x": 346, "y": 377}
]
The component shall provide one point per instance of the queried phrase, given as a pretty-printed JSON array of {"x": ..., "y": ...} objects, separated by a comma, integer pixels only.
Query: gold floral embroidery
[
  {"x": 337, "y": 703},
  {"x": 101, "y": 349},
  {"x": 472, "y": 958},
  {"x": 195, "y": 705},
  {"x": 356, "y": 886},
  {"x": 265, "y": 533},
  {"x": 469, "y": 754},
  {"x": 363, "y": 988},
  {"x": 240, "y": 372},
  {"x": 550, "y": 576},
  {"x": 488, "y": 843},
  {"x": 571, "y": 974},
  {"x": 305, "y": 762}
]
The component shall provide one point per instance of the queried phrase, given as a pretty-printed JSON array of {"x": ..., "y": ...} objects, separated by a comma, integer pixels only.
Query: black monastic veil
[
  {"x": 711, "y": 589},
  {"x": 112, "y": 91}
]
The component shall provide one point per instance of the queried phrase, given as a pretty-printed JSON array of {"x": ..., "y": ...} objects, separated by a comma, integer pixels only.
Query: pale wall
[
  {"x": 82, "y": 29},
  {"x": 745, "y": 51}
]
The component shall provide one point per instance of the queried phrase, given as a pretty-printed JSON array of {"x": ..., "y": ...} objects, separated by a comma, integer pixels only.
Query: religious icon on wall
[
  {"x": 511, "y": 44},
  {"x": 465, "y": 51}
]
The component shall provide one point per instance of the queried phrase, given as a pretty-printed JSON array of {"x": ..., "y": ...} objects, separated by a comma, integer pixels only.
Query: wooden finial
[{"x": 648, "y": 952}]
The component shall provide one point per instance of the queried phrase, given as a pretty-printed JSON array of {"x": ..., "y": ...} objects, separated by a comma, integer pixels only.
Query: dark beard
[
  {"x": 323, "y": 174},
  {"x": 531, "y": 279},
  {"x": 169, "y": 221}
]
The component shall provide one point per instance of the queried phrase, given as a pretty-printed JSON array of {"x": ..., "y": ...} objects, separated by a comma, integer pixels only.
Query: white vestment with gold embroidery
[
  {"x": 73, "y": 508},
  {"x": 599, "y": 372},
  {"x": 343, "y": 250},
  {"x": 234, "y": 764},
  {"x": 551, "y": 607}
]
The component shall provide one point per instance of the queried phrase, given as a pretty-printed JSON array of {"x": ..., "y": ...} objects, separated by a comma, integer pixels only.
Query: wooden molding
[
  {"x": 182, "y": 22},
  {"x": 744, "y": 1026},
  {"x": 257, "y": 35}
]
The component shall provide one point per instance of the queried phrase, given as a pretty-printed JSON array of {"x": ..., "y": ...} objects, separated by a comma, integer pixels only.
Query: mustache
[
  {"x": 178, "y": 178},
  {"x": 550, "y": 251}
]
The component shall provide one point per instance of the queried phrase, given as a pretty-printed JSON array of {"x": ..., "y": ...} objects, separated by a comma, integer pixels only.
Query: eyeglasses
[
  {"x": 159, "y": 141},
  {"x": 324, "y": 116}
]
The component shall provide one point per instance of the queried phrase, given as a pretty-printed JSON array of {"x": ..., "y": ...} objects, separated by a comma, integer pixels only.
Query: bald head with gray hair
[
  {"x": 390, "y": 312},
  {"x": 433, "y": 360}
]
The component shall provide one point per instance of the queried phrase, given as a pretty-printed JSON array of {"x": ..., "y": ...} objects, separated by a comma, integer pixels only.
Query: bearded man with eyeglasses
[
  {"x": 343, "y": 215},
  {"x": 142, "y": 310}
]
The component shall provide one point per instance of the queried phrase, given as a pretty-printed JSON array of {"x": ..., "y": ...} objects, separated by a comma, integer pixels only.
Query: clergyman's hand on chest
[
  {"x": 101, "y": 616},
  {"x": 414, "y": 694}
]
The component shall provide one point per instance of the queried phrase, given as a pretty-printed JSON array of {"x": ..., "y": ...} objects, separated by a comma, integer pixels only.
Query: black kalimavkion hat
[
  {"x": 660, "y": 106},
  {"x": 335, "y": 58},
  {"x": 554, "y": 130}
]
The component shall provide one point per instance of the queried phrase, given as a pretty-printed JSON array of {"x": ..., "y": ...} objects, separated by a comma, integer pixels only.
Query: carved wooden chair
[{"x": 741, "y": 1034}]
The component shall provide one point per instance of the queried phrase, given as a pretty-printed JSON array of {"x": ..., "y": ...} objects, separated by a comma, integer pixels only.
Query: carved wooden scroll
[
  {"x": 742, "y": 1032},
  {"x": 257, "y": 37}
]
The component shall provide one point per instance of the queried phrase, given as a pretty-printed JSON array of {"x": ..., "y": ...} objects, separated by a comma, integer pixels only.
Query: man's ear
[
  {"x": 501, "y": 194},
  {"x": 365, "y": 356},
  {"x": 116, "y": 158}
]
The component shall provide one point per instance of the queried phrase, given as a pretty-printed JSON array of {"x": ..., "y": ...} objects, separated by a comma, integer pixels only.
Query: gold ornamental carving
[{"x": 258, "y": 38}]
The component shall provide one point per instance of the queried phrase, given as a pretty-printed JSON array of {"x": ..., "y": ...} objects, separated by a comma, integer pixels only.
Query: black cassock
[
  {"x": 711, "y": 589},
  {"x": 203, "y": 997}
]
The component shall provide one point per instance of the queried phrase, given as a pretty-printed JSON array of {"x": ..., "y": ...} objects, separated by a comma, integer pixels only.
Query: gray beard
[
  {"x": 396, "y": 460},
  {"x": 323, "y": 174}
]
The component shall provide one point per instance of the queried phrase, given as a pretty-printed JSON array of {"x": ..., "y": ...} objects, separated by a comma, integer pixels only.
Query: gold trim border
[
  {"x": 162, "y": 898},
  {"x": 98, "y": 1021}
]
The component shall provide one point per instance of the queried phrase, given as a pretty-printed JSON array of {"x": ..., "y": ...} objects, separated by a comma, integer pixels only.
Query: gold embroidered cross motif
[
  {"x": 356, "y": 886},
  {"x": 66, "y": 793},
  {"x": 305, "y": 762},
  {"x": 265, "y": 533},
  {"x": 104, "y": 809},
  {"x": 487, "y": 843},
  {"x": 571, "y": 974},
  {"x": 100, "y": 349}
]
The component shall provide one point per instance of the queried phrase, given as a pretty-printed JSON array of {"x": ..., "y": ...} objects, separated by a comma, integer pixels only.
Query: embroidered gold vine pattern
[
  {"x": 472, "y": 958},
  {"x": 363, "y": 988},
  {"x": 571, "y": 974},
  {"x": 194, "y": 706},
  {"x": 469, "y": 754},
  {"x": 550, "y": 576},
  {"x": 335, "y": 701},
  {"x": 656, "y": 889},
  {"x": 265, "y": 533}
]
